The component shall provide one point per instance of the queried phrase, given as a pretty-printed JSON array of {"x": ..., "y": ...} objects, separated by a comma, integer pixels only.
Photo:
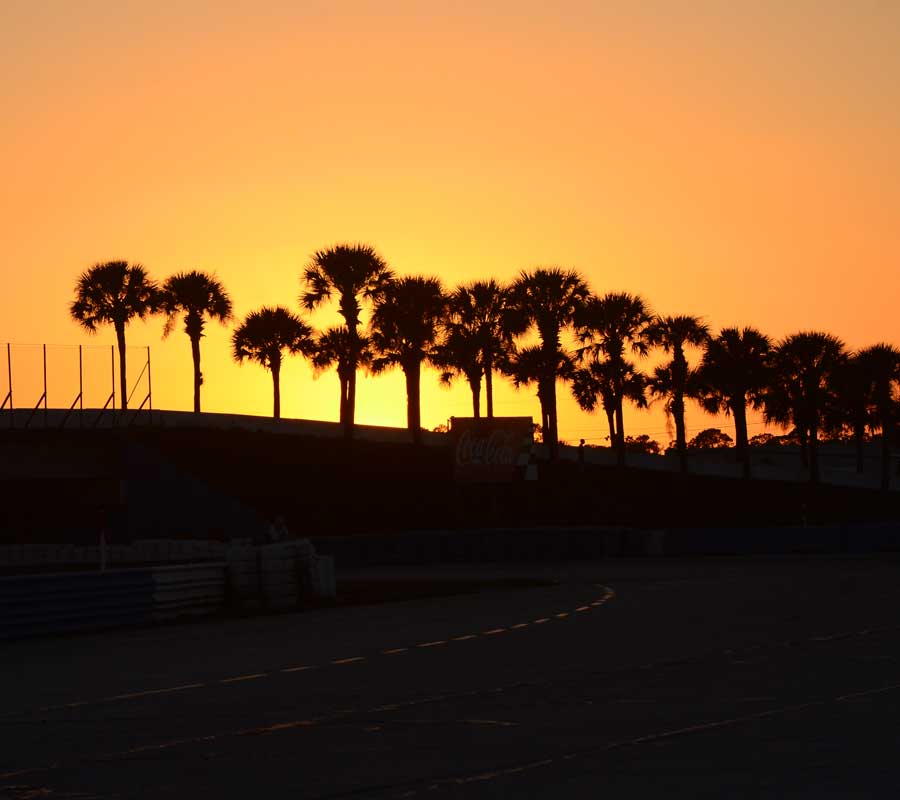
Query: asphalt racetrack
[{"x": 632, "y": 679}]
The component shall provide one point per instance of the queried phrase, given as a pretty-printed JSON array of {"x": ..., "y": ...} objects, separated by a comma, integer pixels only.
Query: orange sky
[{"x": 739, "y": 163}]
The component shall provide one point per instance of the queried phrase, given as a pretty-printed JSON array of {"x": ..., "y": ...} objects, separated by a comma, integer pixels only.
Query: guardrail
[
  {"x": 37, "y": 605},
  {"x": 272, "y": 577},
  {"x": 141, "y": 552}
]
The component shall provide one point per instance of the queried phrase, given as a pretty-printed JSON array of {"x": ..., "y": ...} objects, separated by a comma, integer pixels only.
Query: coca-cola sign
[{"x": 495, "y": 449}]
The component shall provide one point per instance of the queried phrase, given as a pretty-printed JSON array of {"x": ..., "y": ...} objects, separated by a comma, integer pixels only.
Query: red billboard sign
[{"x": 495, "y": 449}]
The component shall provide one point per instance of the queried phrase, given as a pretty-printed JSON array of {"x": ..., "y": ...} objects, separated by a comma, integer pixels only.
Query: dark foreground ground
[{"x": 701, "y": 678}]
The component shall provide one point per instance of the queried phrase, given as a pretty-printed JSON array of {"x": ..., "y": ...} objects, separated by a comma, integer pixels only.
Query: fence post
[
  {"x": 44, "y": 347},
  {"x": 80, "y": 389},
  {"x": 9, "y": 378}
]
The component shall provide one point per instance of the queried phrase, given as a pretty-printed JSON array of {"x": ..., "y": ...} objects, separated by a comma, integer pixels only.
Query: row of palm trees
[
  {"x": 809, "y": 381},
  {"x": 543, "y": 328},
  {"x": 116, "y": 292}
]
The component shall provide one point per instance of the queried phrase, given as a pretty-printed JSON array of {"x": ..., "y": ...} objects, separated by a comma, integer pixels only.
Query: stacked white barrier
[
  {"x": 243, "y": 576},
  {"x": 188, "y": 590},
  {"x": 277, "y": 576},
  {"x": 279, "y": 582}
]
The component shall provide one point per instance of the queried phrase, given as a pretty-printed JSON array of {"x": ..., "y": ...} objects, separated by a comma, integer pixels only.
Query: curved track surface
[{"x": 738, "y": 678}]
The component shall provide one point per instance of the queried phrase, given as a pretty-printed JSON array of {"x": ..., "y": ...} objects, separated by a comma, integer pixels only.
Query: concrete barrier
[
  {"x": 584, "y": 544},
  {"x": 319, "y": 580},
  {"x": 754, "y": 541},
  {"x": 877, "y": 537}
]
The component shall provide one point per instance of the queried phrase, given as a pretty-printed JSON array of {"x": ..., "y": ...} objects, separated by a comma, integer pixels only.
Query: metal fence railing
[{"x": 82, "y": 381}]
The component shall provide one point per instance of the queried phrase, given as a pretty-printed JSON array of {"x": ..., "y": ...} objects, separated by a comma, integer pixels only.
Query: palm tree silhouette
[
  {"x": 852, "y": 386},
  {"x": 733, "y": 374},
  {"x": 663, "y": 385},
  {"x": 609, "y": 327},
  {"x": 801, "y": 389},
  {"x": 599, "y": 381},
  {"x": 475, "y": 338},
  {"x": 114, "y": 293},
  {"x": 357, "y": 275},
  {"x": 405, "y": 332},
  {"x": 264, "y": 336},
  {"x": 547, "y": 300},
  {"x": 337, "y": 347},
  {"x": 673, "y": 334},
  {"x": 459, "y": 355},
  {"x": 881, "y": 364},
  {"x": 536, "y": 365},
  {"x": 198, "y": 296}
]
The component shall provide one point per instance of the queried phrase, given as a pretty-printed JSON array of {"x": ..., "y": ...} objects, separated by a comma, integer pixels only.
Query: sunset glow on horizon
[{"x": 739, "y": 164}]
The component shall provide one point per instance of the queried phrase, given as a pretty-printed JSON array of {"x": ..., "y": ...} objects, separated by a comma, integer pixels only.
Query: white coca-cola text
[{"x": 498, "y": 448}]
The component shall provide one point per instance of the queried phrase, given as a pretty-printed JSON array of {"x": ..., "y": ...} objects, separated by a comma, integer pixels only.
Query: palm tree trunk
[
  {"x": 413, "y": 399},
  {"x": 680, "y": 432},
  {"x": 544, "y": 415},
  {"x": 350, "y": 410},
  {"x": 198, "y": 376},
  {"x": 123, "y": 381},
  {"x": 610, "y": 421},
  {"x": 886, "y": 423},
  {"x": 276, "y": 388},
  {"x": 741, "y": 444},
  {"x": 342, "y": 416},
  {"x": 545, "y": 411},
  {"x": 804, "y": 450},
  {"x": 475, "y": 386},
  {"x": 620, "y": 433},
  {"x": 814, "y": 453},
  {"x": 348, "y": 415},
  {"x": 343, "y": 412},
  {"x": 859, "y": 434},
  {"x": 551, "y": 435},
  {"x": 489, "y": 387}
]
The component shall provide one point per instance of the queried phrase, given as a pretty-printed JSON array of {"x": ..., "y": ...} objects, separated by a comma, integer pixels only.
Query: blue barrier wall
[
  {"x": 35, "y": 605},
  {"x": 487, "y": 545},
  {"x": 38, "y": 605},
  {"x": 562, "y": 544}
]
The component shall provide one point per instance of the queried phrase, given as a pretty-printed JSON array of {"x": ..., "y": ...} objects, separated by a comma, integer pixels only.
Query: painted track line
[
  {"x": 516, "y": 769},
  {"x": 123, "y": 697},
  {"x": 241, "y": 678}
]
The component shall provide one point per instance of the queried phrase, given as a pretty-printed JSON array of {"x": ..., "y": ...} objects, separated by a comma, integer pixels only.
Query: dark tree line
[{"x": 544, "y": 328}]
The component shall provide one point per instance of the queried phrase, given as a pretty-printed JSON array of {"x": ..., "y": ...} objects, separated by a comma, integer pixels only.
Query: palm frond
[{"x": 266, "y": 334}]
